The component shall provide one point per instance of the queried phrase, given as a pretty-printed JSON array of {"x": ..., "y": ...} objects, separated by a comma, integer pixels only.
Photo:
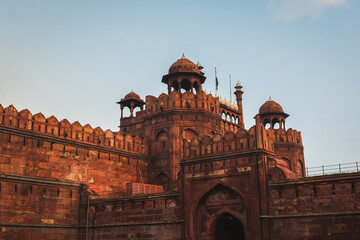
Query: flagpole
[
  {"x": 230, "y": 87},
  {"x": 216, "y": 87}
]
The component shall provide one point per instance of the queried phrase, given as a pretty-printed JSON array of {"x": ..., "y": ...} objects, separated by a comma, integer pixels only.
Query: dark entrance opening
[{"x": 229, "y": 228}]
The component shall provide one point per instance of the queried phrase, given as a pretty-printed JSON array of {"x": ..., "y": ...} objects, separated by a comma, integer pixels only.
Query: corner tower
[{"x": 287, "y": 142}]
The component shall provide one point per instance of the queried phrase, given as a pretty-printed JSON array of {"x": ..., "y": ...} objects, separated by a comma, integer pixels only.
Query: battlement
[
  {"x": 25, "y": 120},
  {"x": 288, "y": 136},
  {"x": 176, "y": 100},
  {"x": 242, "y": 140}
]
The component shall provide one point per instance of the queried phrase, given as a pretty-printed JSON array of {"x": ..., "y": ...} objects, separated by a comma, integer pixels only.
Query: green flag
[{"x": 216, "y": 81}]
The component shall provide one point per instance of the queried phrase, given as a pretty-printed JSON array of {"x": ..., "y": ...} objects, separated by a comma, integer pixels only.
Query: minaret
[{"x": 238, "y": 93}]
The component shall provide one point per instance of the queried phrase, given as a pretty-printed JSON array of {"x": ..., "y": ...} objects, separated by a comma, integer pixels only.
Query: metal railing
[{"x": 333, "y": 169}]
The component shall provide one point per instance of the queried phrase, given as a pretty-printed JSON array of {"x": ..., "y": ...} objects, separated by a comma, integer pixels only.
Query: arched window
[
  {"x": 186, "y": 85},
  {"x": 126, "y": 112},
  {"x": 163, "y": 180},
  {"x": 174, "y": 85},
  {"x": 189, "y": 134},
  {"x": 266, "y": 123},
  {"x": 299, "y": 168},
  {"x": 275, "y": 123},
  {"x": 136, "y": 109},
  {"x": 162, "y": 141}
]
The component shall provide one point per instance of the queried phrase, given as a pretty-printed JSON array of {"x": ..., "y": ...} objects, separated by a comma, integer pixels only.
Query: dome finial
[
  {"x": 238, "y": 86},
  {"x": 183, "y": 56},
  {"x": 270, "y": 99}
]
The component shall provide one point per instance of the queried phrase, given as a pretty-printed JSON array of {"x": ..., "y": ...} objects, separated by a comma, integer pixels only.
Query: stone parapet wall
[
  {"x": 320, "y": 206},
  {"x": 25, "y": 120},
  {"x": 35, "y": 208},
  {"x": 241, "y": 141},
  {"x": 187, "y": 100},
  {"x": 155, "y": 216}
]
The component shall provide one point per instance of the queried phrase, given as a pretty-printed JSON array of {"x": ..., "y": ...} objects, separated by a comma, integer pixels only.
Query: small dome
[
  {"x": 270, "y": 106},
  {"x": 131, "y": 95},
  {"x": 238, "y": 86},
  {"x": 183, "y": 65},
  {"x": 200, "y": 67}
]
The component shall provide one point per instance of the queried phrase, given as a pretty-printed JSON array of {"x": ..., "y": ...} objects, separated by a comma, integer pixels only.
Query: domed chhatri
[
  {"x": 184, "y": 74},
  {"x": 131, "y": 100},
  {"x": 272, "y": 113},
  {"x": 132, "y": 95},
  {"x": 183, "y": 65},
  {"x": 270, "y": 106}
]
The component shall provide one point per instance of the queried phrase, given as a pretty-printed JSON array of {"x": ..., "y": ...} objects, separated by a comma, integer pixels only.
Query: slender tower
[{"x": 238, "y": 93}]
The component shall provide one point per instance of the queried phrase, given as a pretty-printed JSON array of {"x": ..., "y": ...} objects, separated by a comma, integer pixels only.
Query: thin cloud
[{"x": 293, "y": 9}]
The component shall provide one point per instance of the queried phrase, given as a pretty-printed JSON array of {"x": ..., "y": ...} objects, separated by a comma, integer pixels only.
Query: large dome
[
  {"x": 183, "y": 65},
  {"x": 270, "y": 106}
]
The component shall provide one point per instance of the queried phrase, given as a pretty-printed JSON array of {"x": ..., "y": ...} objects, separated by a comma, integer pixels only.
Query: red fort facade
[{"x": 182, "y": 167}]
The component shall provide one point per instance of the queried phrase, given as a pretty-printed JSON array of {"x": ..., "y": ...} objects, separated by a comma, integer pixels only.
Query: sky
[{"x": 74, "y": 59}]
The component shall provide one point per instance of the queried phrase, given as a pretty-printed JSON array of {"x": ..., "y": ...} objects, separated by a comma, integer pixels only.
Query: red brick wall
[
  {"x": 141, "y": 217},
  {"x": 30, "y": 156},
  {"x": 43, "y": 164},
  {"x": 33, "y": 209},
  {"x": 324, "y": 207}
]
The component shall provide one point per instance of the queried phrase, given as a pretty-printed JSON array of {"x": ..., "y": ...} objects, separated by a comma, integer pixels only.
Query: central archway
[
  {"x": 221, "y": 214},
  {"x": 229, "y": 228}
]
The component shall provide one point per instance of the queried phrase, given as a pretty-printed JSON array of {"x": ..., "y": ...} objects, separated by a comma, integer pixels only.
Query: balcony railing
[{"x": 333, "y": 169}]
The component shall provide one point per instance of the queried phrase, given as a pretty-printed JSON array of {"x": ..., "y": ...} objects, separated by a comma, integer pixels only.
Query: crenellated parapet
[
  {"x": 241, "y": 141},
  {"x": 38, "y": 123},
  {"x": 288, "y": 136},
  {"x": 187, "y": 100}
]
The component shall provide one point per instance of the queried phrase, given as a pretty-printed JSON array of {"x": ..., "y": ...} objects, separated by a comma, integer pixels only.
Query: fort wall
[
  {"x": 43, "y": 164},
  {"x": 312, "y": 208},
  {"x": 139, "y": 217},
  {"x": 33, "y": 208},
  {"x": 69, "y": 152}
]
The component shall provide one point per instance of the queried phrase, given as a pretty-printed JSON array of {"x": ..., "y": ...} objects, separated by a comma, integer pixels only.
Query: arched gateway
[{"x": 221, "y": 215}]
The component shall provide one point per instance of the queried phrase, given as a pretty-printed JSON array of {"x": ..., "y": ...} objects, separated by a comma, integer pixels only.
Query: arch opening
[
  {"x": 223, "y": 116},
  {"x": 163, "y": 180},
  {"x": 213, "y": 208},
  {"x": 186, "y": 85},
  {"x": 162, "y": 141},
  {"x": 275, "y": 123},
  {"x": 136, "y": 110},
  {"x": 174, "y": 86},
  {"x": 126, "y": 112},
  {"x": 266, "y": 124},
  {"x": 189, "y": 134},
  {"x": 228, "y": 118},
  {"x": 230, "y": 228}
]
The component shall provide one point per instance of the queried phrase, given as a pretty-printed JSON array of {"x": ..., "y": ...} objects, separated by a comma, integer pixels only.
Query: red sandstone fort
[{"x": 182, "y": 167}]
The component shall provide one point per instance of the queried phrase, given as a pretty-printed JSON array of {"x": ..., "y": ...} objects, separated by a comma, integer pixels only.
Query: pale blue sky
[{"x": 75, "y": 59}]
